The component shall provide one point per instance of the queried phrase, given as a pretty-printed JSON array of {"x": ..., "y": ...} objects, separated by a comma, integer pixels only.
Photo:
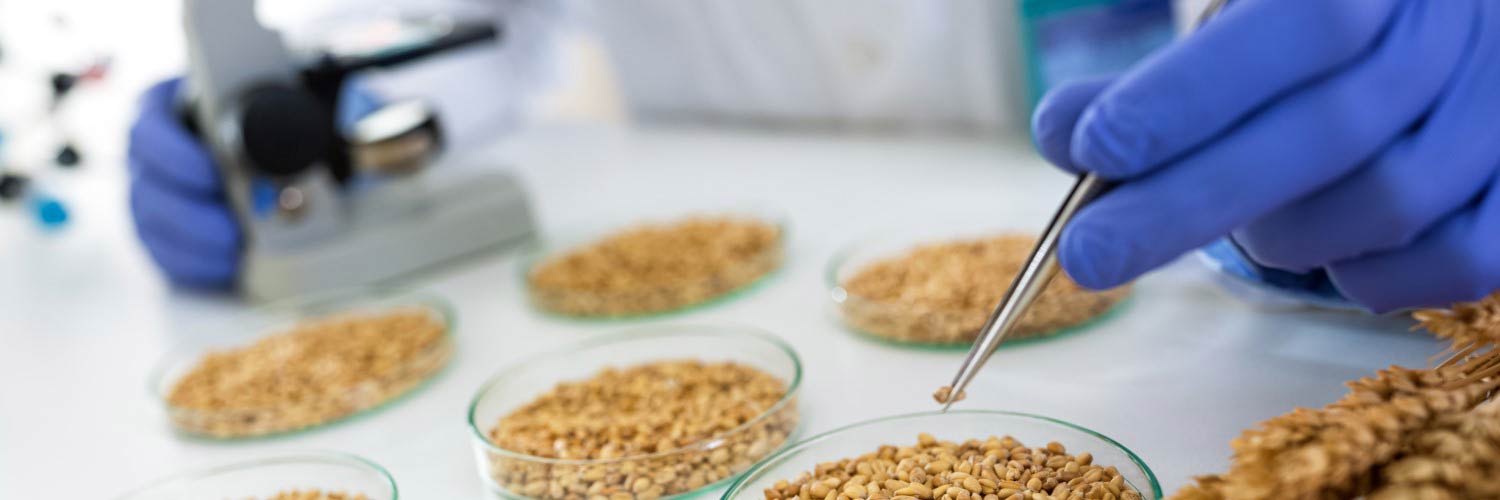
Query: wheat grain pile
[
  {"x": 1429, "y": 434},
  {"x": 642, "y": 432},
  {"x": 317, "y": 495},
  {"x": 314, "y": 372},
  {"x": 998, "y": 468},
  {"x": 657, "y": 267},
  {"x": 943, "y": 293}
]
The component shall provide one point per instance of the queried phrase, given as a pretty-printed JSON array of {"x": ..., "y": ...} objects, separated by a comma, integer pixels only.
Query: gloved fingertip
[
  {"x": 1092, "y": 259},
  {"x": 356, "y": 100},
  {"x": 1374, "y": 297},
  {"x": 1051, "y": 133},
  {"x": 161, "y": 95},
  {"x": 204, "y": 283},
  {"x": 1056, "y": 115},
  {"x": 186, "y": 271},
  {"x": 1273, "y": 247},
  {"x": 1105, "y": 143}
]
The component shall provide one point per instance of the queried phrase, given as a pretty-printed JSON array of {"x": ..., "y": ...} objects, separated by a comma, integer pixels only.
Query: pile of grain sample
[
  {"x": 316, "y": 372},
  {"x": 992, "y": 469},
  {"x": 943, "y": 293},
  {"x": 317, "y": 495},
  {"x": 657, "y": 267},
  {"x": 648, "y": 431}
]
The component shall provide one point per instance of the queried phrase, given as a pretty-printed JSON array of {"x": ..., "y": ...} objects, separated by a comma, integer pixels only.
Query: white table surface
[{"x": 1174, "y": 377}]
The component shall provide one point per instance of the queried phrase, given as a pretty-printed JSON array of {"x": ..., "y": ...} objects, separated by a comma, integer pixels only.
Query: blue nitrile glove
[
  {"x": 1353, "y": 136},
  {"x": 177, "y": 198},
  {"x": 176, "y": 194}
]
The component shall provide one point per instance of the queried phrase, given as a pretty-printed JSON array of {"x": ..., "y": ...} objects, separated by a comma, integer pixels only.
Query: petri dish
[
  {"x": 956, "y": 425},
  {"x": 911, "y": 324},
  {"x": 244, "y": 422},
  {"x": 264, "y": 478},
  {"x": 697, "y": 467},
  {"x": 652, "y": 301}
]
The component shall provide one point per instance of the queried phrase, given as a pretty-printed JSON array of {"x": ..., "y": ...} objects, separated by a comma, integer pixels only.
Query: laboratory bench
[{"x": 1174, "y": 375}]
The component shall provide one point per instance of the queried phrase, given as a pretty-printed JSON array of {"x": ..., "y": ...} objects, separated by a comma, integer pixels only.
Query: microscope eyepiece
[{"x": 284, "y": 130}]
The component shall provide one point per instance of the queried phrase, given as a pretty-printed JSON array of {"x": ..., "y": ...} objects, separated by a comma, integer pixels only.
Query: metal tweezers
[{"x": 1041, "y": 266}]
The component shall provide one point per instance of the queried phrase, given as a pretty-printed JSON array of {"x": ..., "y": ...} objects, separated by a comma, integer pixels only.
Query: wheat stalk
[{"x": 1403, "y": 433}]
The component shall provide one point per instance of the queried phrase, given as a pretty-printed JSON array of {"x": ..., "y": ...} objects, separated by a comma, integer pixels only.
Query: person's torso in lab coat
[
  {"x": 944, "y": 65},
  {"x": 882, "y": 64}
]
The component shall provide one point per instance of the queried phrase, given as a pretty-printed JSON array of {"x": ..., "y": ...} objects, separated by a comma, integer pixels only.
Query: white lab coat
[
  {"x": 902, "y": 64},
  {"x": 906, "y": 65}
]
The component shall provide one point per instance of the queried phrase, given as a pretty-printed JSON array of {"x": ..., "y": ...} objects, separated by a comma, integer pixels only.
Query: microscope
[{"x": 323, "y": 208}]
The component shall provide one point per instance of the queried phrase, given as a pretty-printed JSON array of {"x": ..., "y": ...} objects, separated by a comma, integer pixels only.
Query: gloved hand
[
  {"x": 1352, "y": 136},
  {"x": 177, "y": 198}
]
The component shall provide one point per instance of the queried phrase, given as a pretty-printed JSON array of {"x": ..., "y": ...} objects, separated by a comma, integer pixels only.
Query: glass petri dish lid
[
  {"x": 388, "y": 384},
  {"x": 684, "y": 471},
  {"x": 956, "y": 425},
  {"x": 263, "y": 478},
  {"x": 727, "y": 282},
  {"x": 914, "y": 324}
]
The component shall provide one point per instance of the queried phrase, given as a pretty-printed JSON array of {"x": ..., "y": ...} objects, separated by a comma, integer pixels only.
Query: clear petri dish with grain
[
  {"x": 305, "y": 362},
  {"x": 957, "y": 455},
  {"x": 655, "y": 413},
  {"x": 655, "y": 265},
  {"x": 293, "y": 476},
  {"x": 938, "y": 287}
]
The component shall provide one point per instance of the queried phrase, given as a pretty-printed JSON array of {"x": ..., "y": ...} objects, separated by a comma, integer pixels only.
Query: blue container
[{"x": 1069, "y": 39}]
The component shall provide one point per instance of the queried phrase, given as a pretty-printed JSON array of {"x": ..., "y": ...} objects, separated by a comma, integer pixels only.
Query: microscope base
[{"x": 396, "y": 231}]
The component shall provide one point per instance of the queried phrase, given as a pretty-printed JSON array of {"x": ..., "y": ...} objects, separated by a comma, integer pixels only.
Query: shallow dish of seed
[
  {"x": 656, "y": 266},
  {"x": 316, "y": 495},
  {"x": 958, "y": 455},
  {"x": 296, "y": 476},
  {"x": 940, "y": 290},
  {"x": 305, "y": 362},
  {"x": 638, "y": 415}
]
